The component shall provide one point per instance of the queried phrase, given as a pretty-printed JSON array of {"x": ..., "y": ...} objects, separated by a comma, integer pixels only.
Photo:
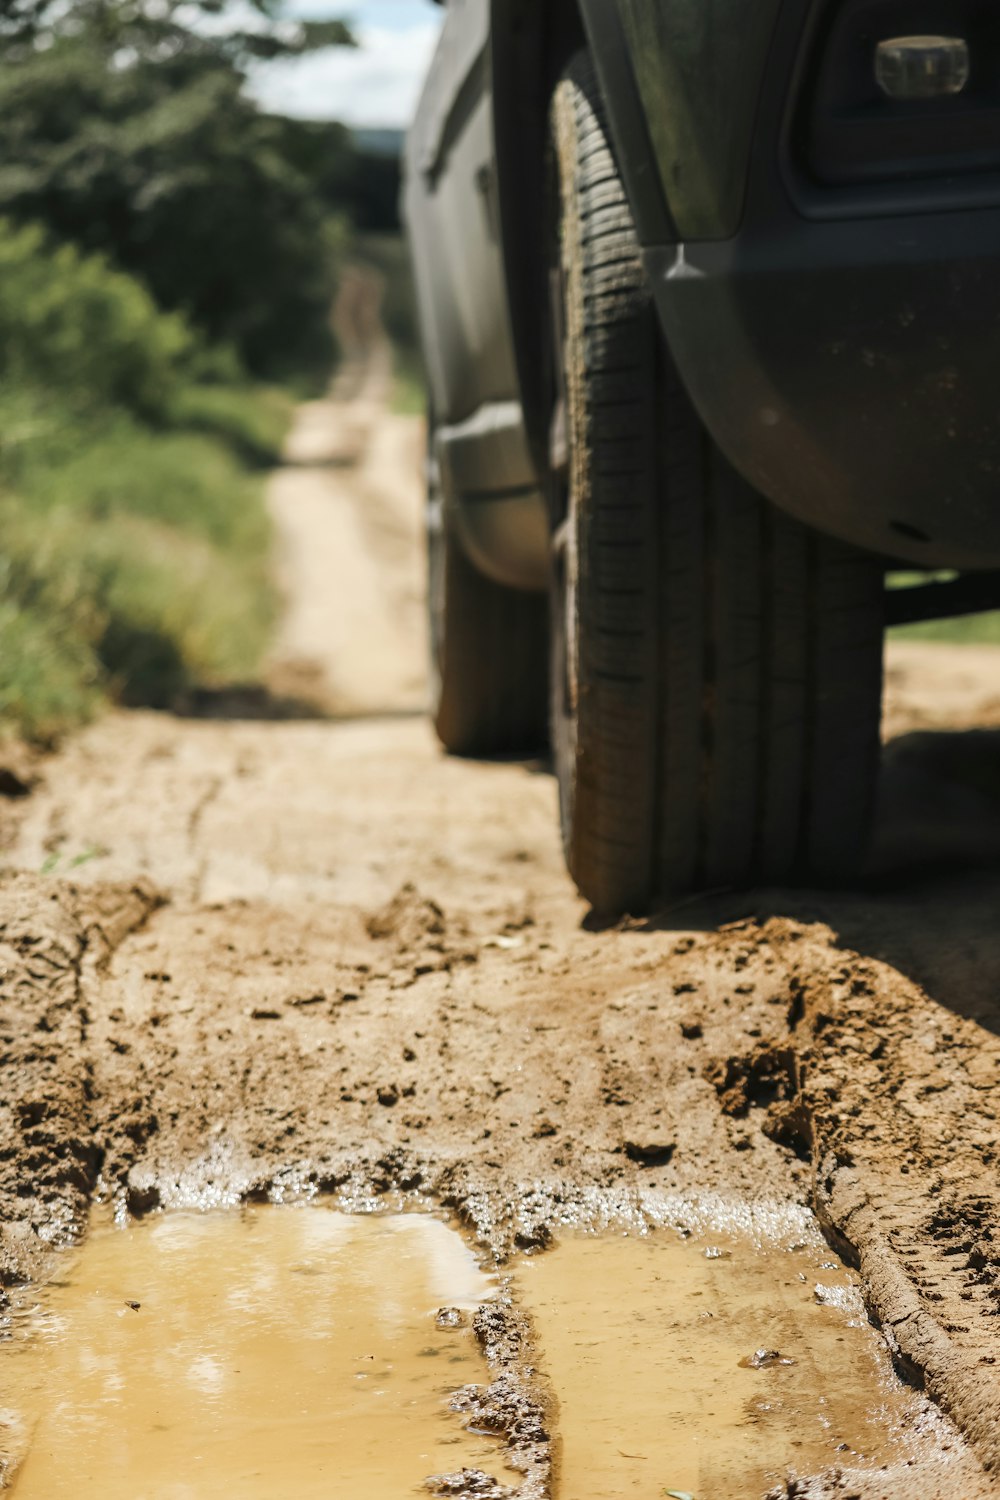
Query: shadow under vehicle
[{"x": 710, "y": 299}]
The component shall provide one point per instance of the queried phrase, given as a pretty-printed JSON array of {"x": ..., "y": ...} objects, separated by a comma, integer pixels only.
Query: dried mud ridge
[
  {"x": 55, "y": 945},
  {"x": 166, "y": 1055},
  {"x": 895, "y": 1104}
]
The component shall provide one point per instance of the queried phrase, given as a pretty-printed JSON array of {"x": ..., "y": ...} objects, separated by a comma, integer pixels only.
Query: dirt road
[{"x": 283, "y": 946}]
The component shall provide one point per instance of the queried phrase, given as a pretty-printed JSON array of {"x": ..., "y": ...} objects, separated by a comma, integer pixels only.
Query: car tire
[
  {"x": 488, "y": 647},
  {"x": 717, "y": 667}
]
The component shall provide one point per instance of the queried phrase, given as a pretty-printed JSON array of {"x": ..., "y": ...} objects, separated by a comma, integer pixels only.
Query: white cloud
[{"x": 377, "y": 84}]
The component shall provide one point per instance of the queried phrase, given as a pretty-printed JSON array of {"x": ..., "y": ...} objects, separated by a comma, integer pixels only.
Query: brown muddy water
[
  {"x": 711, "y": 1369},
  {"x": 277, "y": 1351},
  {"x": 300, "y": 1351}
]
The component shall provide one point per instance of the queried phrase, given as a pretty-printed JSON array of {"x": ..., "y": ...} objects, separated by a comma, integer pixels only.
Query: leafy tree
[
  {"x": 125, "y": 128},
  {"x": 168, "y": 25}
]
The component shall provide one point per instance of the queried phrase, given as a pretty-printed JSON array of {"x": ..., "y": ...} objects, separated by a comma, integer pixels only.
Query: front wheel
[{"x": 717, "y": 667}]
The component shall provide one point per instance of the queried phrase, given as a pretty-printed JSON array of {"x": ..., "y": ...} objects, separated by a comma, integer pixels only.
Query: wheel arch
[{"x": 531, "y": 46}]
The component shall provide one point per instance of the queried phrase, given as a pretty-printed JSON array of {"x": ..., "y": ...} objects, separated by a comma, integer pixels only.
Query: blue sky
[{"x": 376, "y": 85}]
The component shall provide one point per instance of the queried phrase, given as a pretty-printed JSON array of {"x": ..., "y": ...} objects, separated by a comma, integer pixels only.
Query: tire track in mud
[{"x": 895, "y": 1101}]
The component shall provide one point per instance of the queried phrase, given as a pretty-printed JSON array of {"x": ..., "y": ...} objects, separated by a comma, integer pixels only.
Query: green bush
[
  {"x": 73, "y": 328},
  {"x": 253, "y": 421},
  {"x": 133, "y": 534},
  {"x": 128, "y": 606},
  {"x": 69, "y": 323}
]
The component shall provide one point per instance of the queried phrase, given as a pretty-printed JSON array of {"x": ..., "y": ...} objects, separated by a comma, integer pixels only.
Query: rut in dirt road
[{"x": 299, "y": 952}]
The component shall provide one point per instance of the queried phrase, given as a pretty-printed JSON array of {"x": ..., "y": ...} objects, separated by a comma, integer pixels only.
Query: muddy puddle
[
  {"x": 277, "y": 1351},
  {"x": 707, "y": 1368}
]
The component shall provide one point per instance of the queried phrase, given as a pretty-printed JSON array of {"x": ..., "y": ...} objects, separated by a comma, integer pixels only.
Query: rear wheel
[
  {"x": 489, "y": 650},
  {"x": 717, "y": 667}
]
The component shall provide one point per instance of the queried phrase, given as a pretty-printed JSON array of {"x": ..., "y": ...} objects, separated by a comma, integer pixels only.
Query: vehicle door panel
[{"x": 451, "y": 212}]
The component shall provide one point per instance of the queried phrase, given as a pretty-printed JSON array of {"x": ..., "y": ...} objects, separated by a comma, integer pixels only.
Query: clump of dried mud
[
  {"x": 55, "y": 944},
  {"x": 517, "y": 1405}
]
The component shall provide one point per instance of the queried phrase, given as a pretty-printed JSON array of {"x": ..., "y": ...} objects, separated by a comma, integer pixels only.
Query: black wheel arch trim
[{"x": 531, "y": 43}]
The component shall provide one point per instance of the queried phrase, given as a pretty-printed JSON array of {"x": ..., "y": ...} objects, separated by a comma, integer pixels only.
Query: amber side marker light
[{"x": 922, "y": 67}]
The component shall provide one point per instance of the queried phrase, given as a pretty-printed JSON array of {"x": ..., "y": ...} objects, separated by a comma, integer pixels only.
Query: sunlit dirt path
[
  {"x": 348, "y": 511},
  {"x": 286, "y": 947}
]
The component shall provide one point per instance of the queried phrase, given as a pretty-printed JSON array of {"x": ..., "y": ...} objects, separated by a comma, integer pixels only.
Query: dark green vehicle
[{"x": 710, "y": 297}]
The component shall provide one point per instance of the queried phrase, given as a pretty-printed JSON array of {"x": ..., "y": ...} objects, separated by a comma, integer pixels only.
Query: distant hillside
[{"x": 381, "y": 142}]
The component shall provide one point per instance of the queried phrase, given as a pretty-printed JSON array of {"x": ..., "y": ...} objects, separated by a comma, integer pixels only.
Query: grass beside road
[
  {"x": 973, "y": 630},
  {"x": 967, "y": 630},
  {"x": 134, "y": 539},
  {"x": 129, "y": 570}
]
